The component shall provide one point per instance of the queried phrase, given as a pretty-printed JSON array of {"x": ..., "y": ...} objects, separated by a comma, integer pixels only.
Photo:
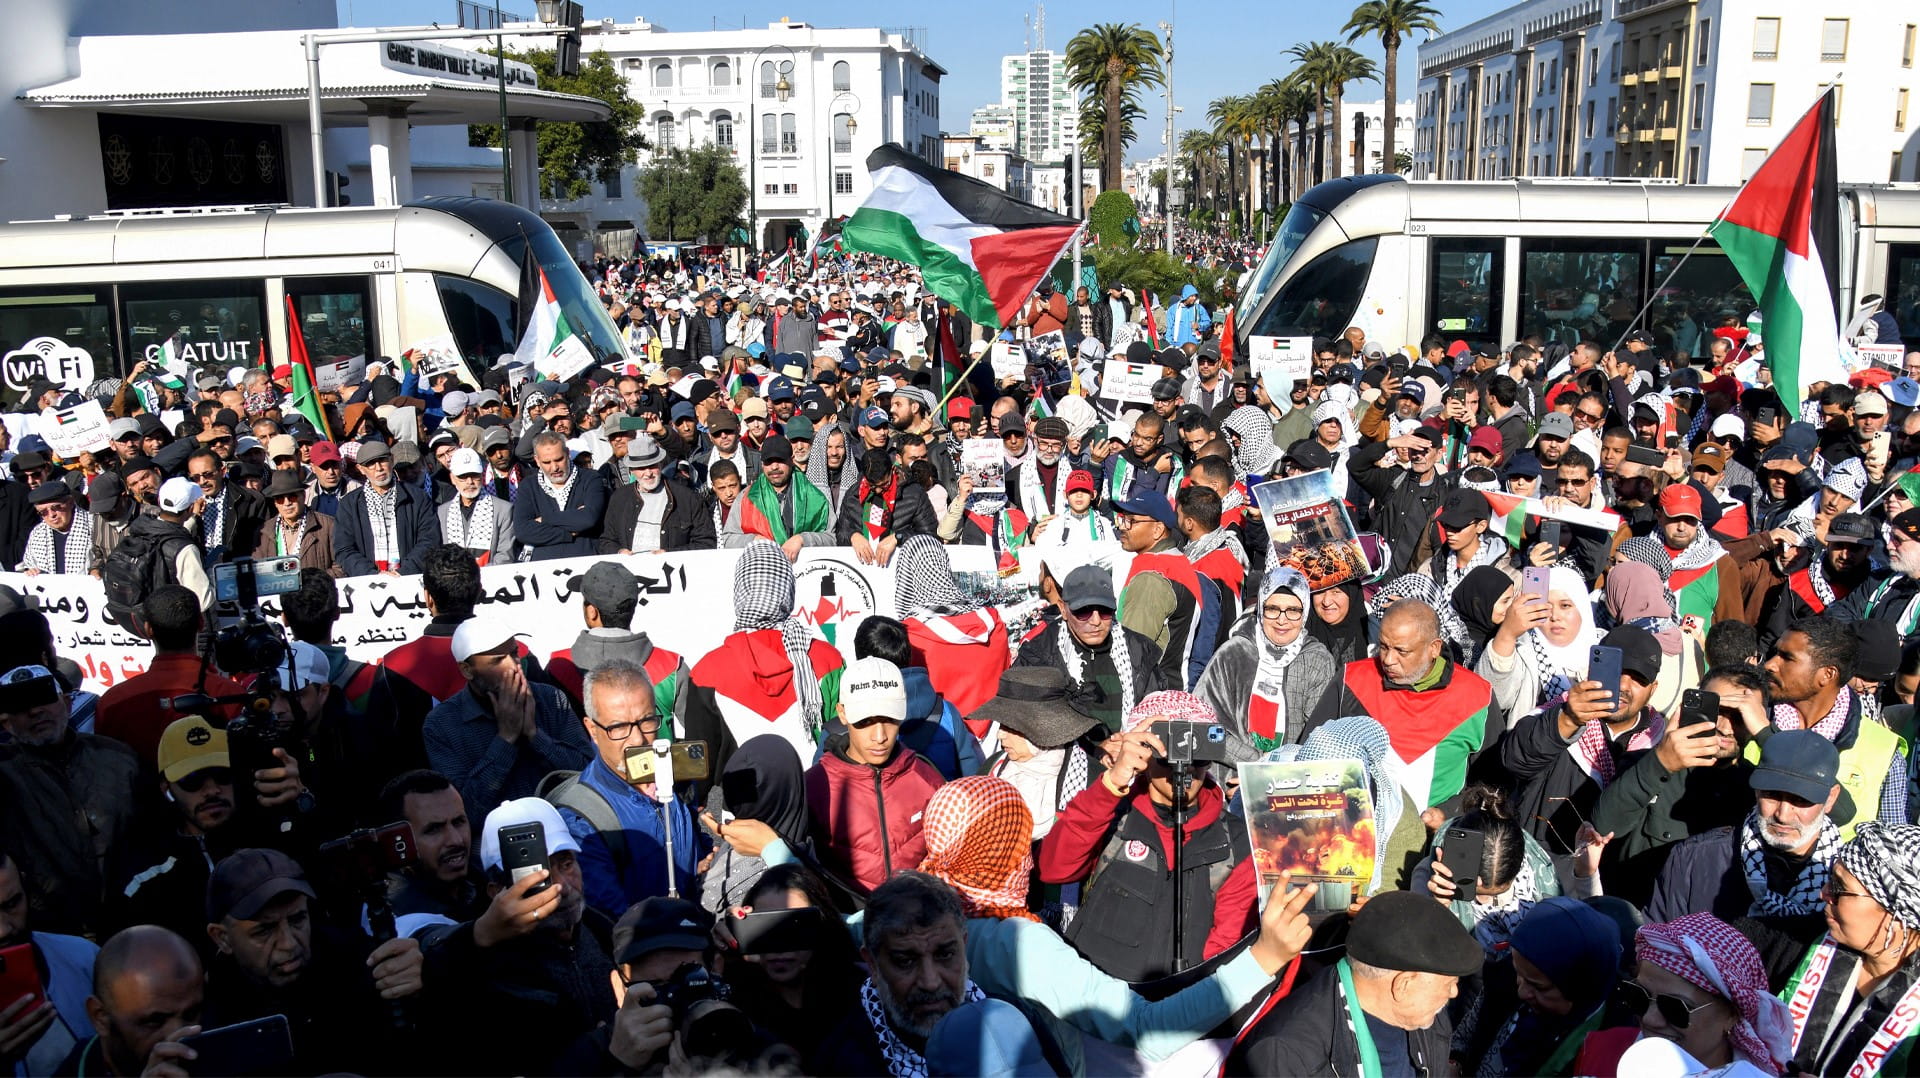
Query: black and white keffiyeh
[
  {"x": 1214, "y": 540},
  {"x": 1415, "y": 586},
  {"x": 1804, "y": 896},
  {"x": 1076, "y": 666},
  {"x": 1704, "y": 550},
  {"x": 1447, "y": 571},
  {"x": 1035, "y": 500},
  {"x": 1885, "y": 858},
  {"x": 41, "y": 555},
  {"x": 474, "y": 530},
  {"x": 902, "y": 1061},
  {"x": 561, "y": 494},
  {"x": 1255, "y": 452},
  {"x": 382, "y": 523},
  {"x": 763, "y": 598},
  {"x": 923, "y": 579}
]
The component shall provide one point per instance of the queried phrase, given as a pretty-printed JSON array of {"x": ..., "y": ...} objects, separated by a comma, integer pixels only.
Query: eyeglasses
[
  {"x": 620, "y": 731},
  {"x": 329, "y": 464},
  {"x": 197, "y": 781},
  {"x": 202, "y": 477},
  {"x": 1587, "y": 482},
  {"x": 1283, "y": 613},
  {"x": 1831, "y": 893},
  {"x": 1633, "y": 998}
]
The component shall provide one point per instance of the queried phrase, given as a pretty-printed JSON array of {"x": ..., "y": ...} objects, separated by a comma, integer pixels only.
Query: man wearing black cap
[
  {"x": 780, "y": 505},
  {"x": 1405, "y": 497},
  {"x": 1825, "y": 577},
  {"x": 1564, "y": 755},
  {"x": 1165, "y": 598},
  {"x": 1381, "y": 1010},
  {"x": 1090, "y": 648},
  {"x": 1896, "y": 598},
  {"x": 1466, "y": 539},
  {"x": 63, "y": 540}
]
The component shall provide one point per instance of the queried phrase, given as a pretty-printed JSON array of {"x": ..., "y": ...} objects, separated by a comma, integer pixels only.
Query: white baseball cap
[
  {"x": 306, "y": 665},
  {"x": 524, "y": 810},
  {"x": 178, "y": 494},
  {"x": 1730, "y": 425},
  {"x": 466, "y": 462},
  {"x": 873, "y": 688},
  {"x": 481, "y": 633}
]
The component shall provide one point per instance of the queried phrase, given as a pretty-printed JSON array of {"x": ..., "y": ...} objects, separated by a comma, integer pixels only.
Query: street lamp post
[
  {"x": 782, "y": 89},
  {"x": 1166, "y": 28},
  {"x": 833, "y": 142}
]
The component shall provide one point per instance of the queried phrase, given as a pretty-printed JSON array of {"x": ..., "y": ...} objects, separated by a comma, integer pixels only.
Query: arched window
[
  {"x": 842, "y": 132},
  {"x": 769, "y": 133},
  {"x": 720, "y": 75},
  {"x": 789, "y": 133},
  {"x": 842, "y": 75},
  {"x": 662, "y": 75},
  {"x": 768, "y": 76},
  {"x": 723, "y": 129},
  {"x": 663, "y": 132}
]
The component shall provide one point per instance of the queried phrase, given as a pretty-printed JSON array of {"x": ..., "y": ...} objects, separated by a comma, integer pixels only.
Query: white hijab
[{"x": 1559, "y": 666}]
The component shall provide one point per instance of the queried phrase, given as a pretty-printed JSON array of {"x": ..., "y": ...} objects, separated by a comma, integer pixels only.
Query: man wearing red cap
[{"x": 1705, "y": 581}]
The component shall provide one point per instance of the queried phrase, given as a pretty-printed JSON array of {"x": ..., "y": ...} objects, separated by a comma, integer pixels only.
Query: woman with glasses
[
  {"x": 1265, "y": 680},
  {"x": 1700, "y": 984},
  {"x": 1853, "y": 998}
]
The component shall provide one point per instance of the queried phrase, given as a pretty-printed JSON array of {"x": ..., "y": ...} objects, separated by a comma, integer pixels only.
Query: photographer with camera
[
  {"x": 130, "y": 712},
  {"x": 1117, "y": 839}
]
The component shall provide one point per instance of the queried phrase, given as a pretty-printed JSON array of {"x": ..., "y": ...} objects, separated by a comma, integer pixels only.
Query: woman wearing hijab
[
  {"x": 1701, "y": 985},
  {"x": 1338, "y": 619},
  {"x": 1265, "y": 680},
  {"x": 765, "y": 781},
  {"x": 1635, "y": 596},
  {"x": 1852, "y": 1001},
  {"x": 1541, "y": 1003},
  {"x": 1540, "y": 651},
  {"x": 1251, "y": 432},
  {"x": 1481, "y": 601},
  {"x": 962, "y": 642}
]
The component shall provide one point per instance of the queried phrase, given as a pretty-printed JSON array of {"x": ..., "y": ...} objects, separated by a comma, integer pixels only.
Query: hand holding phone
[
  {"x": 1605, "y": 665},
  {"x": 1462, "y": 850},
  {"x": 523, "y": 852}
]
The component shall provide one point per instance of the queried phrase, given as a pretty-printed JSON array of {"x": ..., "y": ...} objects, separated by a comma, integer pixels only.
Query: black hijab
[
  {"x": 763, "y": 781},
  {"x": 1347, "y": 640},
  {"x": 1473, "y": 600}
]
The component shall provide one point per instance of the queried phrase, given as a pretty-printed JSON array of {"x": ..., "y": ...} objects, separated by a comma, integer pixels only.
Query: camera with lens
[
  {"x": 709, "y": 1025},
  {"x": 359, "y": 863}
]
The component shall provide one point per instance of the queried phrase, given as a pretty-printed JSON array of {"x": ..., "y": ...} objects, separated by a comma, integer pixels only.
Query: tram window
[
  {"x": 75, "y": 315},
  {"x": 1320, "y": 300},
  {"x": 481, "y": 317},
  {"x": 1294, "y": 228},
  {"x": 210, "y": 322},
  {"x": 1706, "y": 287},
  {"x": 335, "y": 315},
  {"x": 1575, "y": 290},
  {"x": 1903, "y": 290},
  {"x": 1464, "y": 286}
]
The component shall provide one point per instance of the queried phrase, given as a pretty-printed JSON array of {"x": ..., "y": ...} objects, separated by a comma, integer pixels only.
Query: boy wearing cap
[
  {"x": 1705, "y": 581},
  {"x": 867, "y": 792},
  {"x": 178, "y": 557},
  {"x": 1076, "y": 522}
]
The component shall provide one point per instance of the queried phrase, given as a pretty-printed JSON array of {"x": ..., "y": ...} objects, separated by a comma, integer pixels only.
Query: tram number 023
[{"x": 1416, "y": 228}]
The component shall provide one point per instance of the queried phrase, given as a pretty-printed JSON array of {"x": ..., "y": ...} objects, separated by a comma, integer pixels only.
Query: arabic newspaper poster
[
  {"x": 72, "y": 431},
  {"x": 1314, "y": 820},
  {"x": 1310, "y": 529},
  {"x": 985, "y": 461}
]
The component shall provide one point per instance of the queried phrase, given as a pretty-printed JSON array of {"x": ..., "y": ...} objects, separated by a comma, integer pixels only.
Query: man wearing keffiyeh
[{"x": 1808, "y": 674}]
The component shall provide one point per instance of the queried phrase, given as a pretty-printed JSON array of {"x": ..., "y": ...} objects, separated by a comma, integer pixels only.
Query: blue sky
[{"x": 1223, "y": 46}]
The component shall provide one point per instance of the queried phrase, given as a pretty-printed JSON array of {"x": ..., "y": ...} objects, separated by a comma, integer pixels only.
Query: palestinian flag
[
  {"x": 666, "y": 669},
  {"x": 1696, "y": 591},
  {"x": 1509, "y": 513},
  {"x": 760, "y": 509},
  {"x": 1782, "y": 233},
  {"x": 976, "y": 247},
  {"x": 964, "y": 654},
  {"x": 1434, "y": 733},
  {"x": 301, "y": 393},
  {"x": 549, "y": 344},
  {"x": 748, "y": 684},
  {"x": 1909, "y": 484}
]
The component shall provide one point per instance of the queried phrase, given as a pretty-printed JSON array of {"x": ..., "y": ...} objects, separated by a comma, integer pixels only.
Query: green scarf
[{"x": 810, "y": 513}]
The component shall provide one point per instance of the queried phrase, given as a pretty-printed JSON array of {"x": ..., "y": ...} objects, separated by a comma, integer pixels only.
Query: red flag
[
  {"x": 304, "y": 395},
  {"x": 1153, "y": 334}
]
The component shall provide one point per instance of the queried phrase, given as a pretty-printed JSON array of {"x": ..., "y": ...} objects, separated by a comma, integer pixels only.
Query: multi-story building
[
  {"x": 971, "y": 155},
  {"x": 1364, "y": 123},
  {"x": 799, "y": 106},
  {"x": 996, "y": 125},
  {"x": 1034, "y": 85},
  {"x": 1692, "y": 90}
]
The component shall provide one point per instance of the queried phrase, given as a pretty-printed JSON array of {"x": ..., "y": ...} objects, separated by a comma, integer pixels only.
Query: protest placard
[
  {"x": 1278, "y": 362},
  {"x": 1313, "y": 820},
  {"x": 1310, "y": 529},
  {"x": 1009, "y": 361},
  {"x": 72, "y": 431},
  {"x": 985, "y": 460},
  {"x": 1129, "y": 383}
]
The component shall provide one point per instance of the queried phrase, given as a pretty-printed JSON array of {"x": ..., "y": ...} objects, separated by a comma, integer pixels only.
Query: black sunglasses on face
[
  {"x": 197, "y": 781},
  {"x": 1633, "y": 998}
]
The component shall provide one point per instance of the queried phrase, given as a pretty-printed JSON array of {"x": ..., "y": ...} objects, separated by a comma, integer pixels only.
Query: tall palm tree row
[
  {"x": 1111, "y": 63},
  {"x": 1391, "y": 21}
]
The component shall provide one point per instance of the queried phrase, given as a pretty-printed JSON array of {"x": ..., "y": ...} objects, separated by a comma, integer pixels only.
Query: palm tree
[
  {"x": 1311, "y": 76},
  {"x": 1113, "y": 61},
  {"x": 1238, "y": 119},
  {"x": 1344, "y": 65},
  {"x": 1198, "y": 152},
  {"x": 1390, "y": 21},
  {"x": 1093, "y": 128}
]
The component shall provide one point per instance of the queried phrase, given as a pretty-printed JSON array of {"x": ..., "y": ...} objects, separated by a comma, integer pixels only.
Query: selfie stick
[
  {"x": 1181, "y": 769},
  {"x": 663, "y": 793}
]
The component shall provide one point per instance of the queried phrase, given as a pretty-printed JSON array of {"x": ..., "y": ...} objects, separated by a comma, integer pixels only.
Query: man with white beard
[
  {"x": 1896, "y": 598},
  {"x": 476, "y": 519},
  {"x": 1037, "y": 486}
]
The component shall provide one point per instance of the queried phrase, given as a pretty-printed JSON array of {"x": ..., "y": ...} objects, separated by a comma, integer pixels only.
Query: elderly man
[
  {"x": 559, "y": 514},
  {"x": 385, "y": 526},
  {"x": 1774, "y": 863},
  {"x": 654, "y": 514},
  {"x": 231, "y": 515},
  {"x": 1439, "y": 715},
  {"x": 501, "y": 735},
  {"x": 1037, "y": 486},
  {"x": 475, "y": 519},
  {"x": 66, "y": 800},
  {"x": 296, "y": 531},
  {"x": 63, "y": 540},
  {"x": 1092, "y": 648},
  {"x": 1385, "y": 1002}
]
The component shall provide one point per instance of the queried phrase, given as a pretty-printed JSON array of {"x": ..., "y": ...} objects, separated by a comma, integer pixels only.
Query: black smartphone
[
  {"x": 1551, "y": 533},
  {"x": 1700, "y": 712},
  {"x": 1766, "y": 416},
  {"x": 1604, "y": 666},
  {"x": 740, "y": 787},
  {"x": 523, "y": 851},
  {"x": 1462, "y": 851},
  {"x": 262, "y": 1046},
  {"x": 779, "y": 931}
]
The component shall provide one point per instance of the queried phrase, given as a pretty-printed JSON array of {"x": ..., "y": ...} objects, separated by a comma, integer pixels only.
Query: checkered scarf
[
  {"x": 1254, "y": 455},
  {"x": 763, "y": 599},
  {"x": 1649, "y": 551},
  {"x": 475, "y": 531},
  {"x": 1885, "y": 858},
  {"x": 923, "y": 579},
  {"x": 1422, "y": 588},
  {"x": 1076, "y": 667},
  {"x": 1214, "y": 540},
  {"x": 561, "y": 494},
  {"x": 1168, "y": 704},
  {"x": 1711, "y": 954},
  {"x": 384, "y": 524},
  {"x": 1804, "y": 896},
  {"x": 902, "y": 1061},
  {"x": 1787, "y": 717},
  {"x": 980, "y": 842},
  {"x": 40, "y": 553}
]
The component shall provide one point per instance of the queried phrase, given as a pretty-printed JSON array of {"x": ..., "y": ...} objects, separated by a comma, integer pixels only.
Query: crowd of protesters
[{"x": 954, "y": 843}]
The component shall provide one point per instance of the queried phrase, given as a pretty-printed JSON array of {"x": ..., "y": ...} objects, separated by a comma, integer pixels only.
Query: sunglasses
[
  {"x": 1633, "y": 998},
  {"x": 197, "y": 781}
]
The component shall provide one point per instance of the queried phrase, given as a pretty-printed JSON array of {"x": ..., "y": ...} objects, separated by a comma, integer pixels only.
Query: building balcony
[
  {"x": 1645, "y": 134},
  {"x": 1673, "y": 72},
  {"x": 1629, "y": 78},
  {"x": 1669, "y": 134}
]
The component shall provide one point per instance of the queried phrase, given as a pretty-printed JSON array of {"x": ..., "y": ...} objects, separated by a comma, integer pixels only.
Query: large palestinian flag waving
[
  {"x": 1783, "y": 234},
  {"x": 977, "y": 247}
]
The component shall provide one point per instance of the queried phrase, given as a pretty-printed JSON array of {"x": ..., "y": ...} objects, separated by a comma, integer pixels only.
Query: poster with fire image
[
  {"x": 1315, "y": 820},
  {"x": 1310, "y": 529}
]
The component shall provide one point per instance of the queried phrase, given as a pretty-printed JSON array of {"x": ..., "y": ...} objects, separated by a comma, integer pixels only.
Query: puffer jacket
[
  {"x": 1227, "y": 685},
  {"x": 867, "y": 820}
]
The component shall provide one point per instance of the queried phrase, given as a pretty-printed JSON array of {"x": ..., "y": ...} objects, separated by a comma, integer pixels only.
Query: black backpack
[{"x": 137, "y": 565}]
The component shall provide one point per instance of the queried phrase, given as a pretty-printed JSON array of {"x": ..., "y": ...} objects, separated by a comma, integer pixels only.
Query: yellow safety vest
[{"x": 1863, "y": 770}]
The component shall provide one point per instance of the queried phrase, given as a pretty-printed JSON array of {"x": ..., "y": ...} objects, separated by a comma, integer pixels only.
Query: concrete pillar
[
  {"x": 389, "y": 153},
  {"x": 524, "y": 145}
]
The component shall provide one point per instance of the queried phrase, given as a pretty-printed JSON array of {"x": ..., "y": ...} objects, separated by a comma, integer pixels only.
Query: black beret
[
  {"x": 1402, "y": 931},
  {"x": 50, "y": 491}
]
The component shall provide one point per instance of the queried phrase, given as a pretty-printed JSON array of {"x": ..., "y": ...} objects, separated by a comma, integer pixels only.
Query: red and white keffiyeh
[
  {"x": 1709, "y": 953},
  {"x": 980, "y": 842}
]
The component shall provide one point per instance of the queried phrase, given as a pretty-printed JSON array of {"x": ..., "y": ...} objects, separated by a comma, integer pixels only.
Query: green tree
[
  {"x": 1093, "y": 129},
  {"x": 694, "y": 194},
  {"x": 1108, "y": 216},
  {"x": 1113, "y": 62},
  {"x": 1344, "y": 65},
  {"x": 574, "y": 155},
  {"x": 1391, "y": 21}
]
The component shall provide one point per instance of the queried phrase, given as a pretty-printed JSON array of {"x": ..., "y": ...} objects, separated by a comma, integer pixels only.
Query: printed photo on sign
[
  {"x": 1048, "y": 347},
  {"x": 1310, "y": 529},
  {"x": 1313, "y": 820},
  {"x": 985, "y": 461}
]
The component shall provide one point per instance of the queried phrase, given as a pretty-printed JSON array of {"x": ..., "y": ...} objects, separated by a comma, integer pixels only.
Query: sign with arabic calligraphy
[{"x": 377, "y": 612}]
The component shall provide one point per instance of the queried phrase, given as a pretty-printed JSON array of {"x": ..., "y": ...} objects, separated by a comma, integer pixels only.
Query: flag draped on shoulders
[
  {"x": 760, "y": 510},
  {"x": 977, "y": 247},
  {"x": 1782, "y": 234}
]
